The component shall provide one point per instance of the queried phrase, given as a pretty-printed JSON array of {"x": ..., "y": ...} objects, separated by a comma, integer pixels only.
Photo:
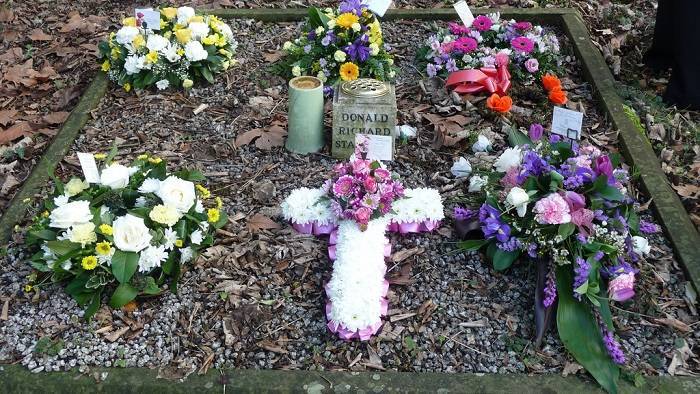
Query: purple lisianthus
[
  {"x": 328, "y": 91},
  {"x": 328, "y": 39},
  {"x": 322, "y": 62},
  {"x": 648, "y": 227},
  {"x": 522, "y": 44},
  {"x": 482, "y": 23},
  {"x": 491, "y": 224},
  {"x": 532, "y": 165},
  {"x": 311, "y": 35},
  {"x": 536, "y": 131},
  {"x": 554, "y": 138},
  {"x": 603, "y": 166}
]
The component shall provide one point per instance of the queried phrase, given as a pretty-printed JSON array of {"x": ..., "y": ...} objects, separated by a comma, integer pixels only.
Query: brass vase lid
[{"x": 364, "y": 87}]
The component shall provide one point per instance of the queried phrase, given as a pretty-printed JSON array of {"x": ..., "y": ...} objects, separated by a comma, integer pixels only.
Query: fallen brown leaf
[
  {"x": 6, "y": 116},
  {"x": 39, "y": 35},
  {"x": 18, "y": 130},
  {"x": 261, "y": 222},
  {"x": 271, "y": 346},
  {"x": 56, "y": 117}
]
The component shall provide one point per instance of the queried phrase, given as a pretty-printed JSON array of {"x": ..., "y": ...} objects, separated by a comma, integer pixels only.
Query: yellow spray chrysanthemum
[
  {"x": 89, "y": 263},
  {"x": 154, "y": 160},
  {"x": 45, "y": 214},
  {"x": 203, "y": 191},
  {"x": 221, "y": 40},
  {"x": 152, "y": 57},
  {"x": 103, "y": 248},
  {"x": 106, "y": 229},
  {"x": 349, "y": 71},
  {"x": 127, "y": 86},
  {"x": 178, "y": 243},
  {"x": 169, "y": 12},
  {"x": 100, "y": 156},
  {"x": 115, "y": 53},
  {"x": 375, "y": 33},
  {"x": 214, "y": 23},
  {"x": 213, "y": 215},
  {"x": 130, "y": 21},
  {"x": 183, "y": 36},
  {"x": 142, "y": 157},
  {"x": 219, "y": 202},
  {"x": 346, "y": 20},
  {"x": 27, "y": 288},
  {"x": 210, "y": 39}
]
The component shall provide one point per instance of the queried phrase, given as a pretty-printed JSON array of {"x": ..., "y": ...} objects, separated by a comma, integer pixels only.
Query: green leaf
[
  {"x": 122, "y": 295},
  {"x": 223, "y": 219},
  {"x": 318, "y": 18},
  {"x": 472, "y": 244},
  {"x": 566, "y": 229},
  {"x": 62, "y": 248},
  {"x": 46, "y": 235},
  {"x": 190, "y": 175},
  {"x": 604, "y": 308},
  {"x": 611, "y": 193},
  {"x": 207, "y": 74},
  {"x": 518, "y": 138},
  {"x": 502, "y": 259},
  {"x": 124, "y": 265},
  {"x": 579, "y": 332},
  {"x": 583, "y": 289},
  {"x": 94, "y": 305},
  {"x": 151, "y": 286}
]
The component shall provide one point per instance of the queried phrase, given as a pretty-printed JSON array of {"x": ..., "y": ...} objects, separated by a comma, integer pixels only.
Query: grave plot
[{"x": 256, "y": 299}]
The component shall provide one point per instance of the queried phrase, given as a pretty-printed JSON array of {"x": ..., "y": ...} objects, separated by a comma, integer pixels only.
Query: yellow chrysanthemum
[
  {"x": 115, "y": 53},
  {"x": 142, "y": 157},
  {"x": 349, "y": 71},
  {"x": 346, "y": 20},
  {"x": 89, "y": 263},
  {"x": 154, "y": 160},
  {"x": 219, "y": 202},
  {"x": 169, "y": 12},
  {"x": 180, "y": 51},
  {"x": 45, "y": 214},
  {"x": 214, "y": 23},
  {"x": 127, "y": 86},
  {"x": 163, "y": 24},
  {"x": 27, "y": 288},
  {"x": 152, "y": 57},
  {"x": 103, "y": 248},
  {"x": 100, "y": 156},
  {"x": 130, "y": 21},
  {"x": 213, "y": 215},
  {"x": 106, "y": 229},
  {"x": 138, "y": 41},
  {"x": 221, "y": 40},
  {"x": 210, "y": 39},
  {"x": 183, "y": 36},
  {"x": 105, "y": 65},
  {"x": 203, "y": 191},
  {"x": 178, "y": 243}
]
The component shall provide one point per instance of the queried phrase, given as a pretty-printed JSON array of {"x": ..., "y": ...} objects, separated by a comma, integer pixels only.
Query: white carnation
[
  {"x": 194, "y": 51},
  {"x": 157, "y": 43},
  {"x": 152, "y": 257},
  {"x": 199, "y": 30},
  {"x": 149, "y": 185},
  {"x": 476, "y": 183},
  {"x": 184, "y": 14},
  {"x": 510, "y": 158},
  {"x": 196, "y": 237},
  {"x": 126, "y": 35},
  {"x": 134, "y": 64},
  {"x": 162, "y": 84}
]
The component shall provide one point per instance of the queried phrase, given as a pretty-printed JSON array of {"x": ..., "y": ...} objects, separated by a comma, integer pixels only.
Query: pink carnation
[
  {"x": 552, "y": 209},
  {"x": 583, "y": 218},
  {"x": 360, "y": 167},
  {"x": 382, "y": 173},
  {"x": 502, "y": 59},
  {"x": 370, "y": 184},
  {"x": 362, "y": 215},
  {"x": 447, "y": 47},
  {"x": 511, "y": 178},
  {"x": 532, "y": 65},
  {"x": 621, "y": 288}
]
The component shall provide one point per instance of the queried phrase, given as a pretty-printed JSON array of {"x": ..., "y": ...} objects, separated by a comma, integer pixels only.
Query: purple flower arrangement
[
  {"x": 567, "y": 204},
  {"x": 532, "y": 51},
  {"x": 361, "y": 189}
]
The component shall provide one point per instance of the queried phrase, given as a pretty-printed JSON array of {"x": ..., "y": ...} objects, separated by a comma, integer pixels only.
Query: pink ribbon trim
[{"x": 488, "y": 79}]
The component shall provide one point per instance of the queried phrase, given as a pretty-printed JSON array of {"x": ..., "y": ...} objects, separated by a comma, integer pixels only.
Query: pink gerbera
[
  {"x": 482, "y": 23},
  {"x": 523, "y": 26},
  {"x": 458, "y": 29},
  {"x": 465, "y": 44},
  {"x": 343, "y": 186},
  {"x": 522, "y": 44}
]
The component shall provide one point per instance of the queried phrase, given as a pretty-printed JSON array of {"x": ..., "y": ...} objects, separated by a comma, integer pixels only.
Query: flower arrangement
[
  {"x": 130, "y": 231},
  {"x": 482, "y": 57},
  {"x": 186, "y": 47},
  {"x": 567, "y": 208},
  {"x": 342, "y": 44},
  {"x": 356, "y": 207}
]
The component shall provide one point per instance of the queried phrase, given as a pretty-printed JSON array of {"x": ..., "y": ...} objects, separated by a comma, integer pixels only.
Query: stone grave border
[{"x": 635, "y": 148}]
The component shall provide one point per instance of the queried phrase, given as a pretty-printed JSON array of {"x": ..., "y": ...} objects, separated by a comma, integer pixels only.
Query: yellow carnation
[
  {"x": 152, "y": 57},
  {"x": 83, "y": 234},
  {"x": 130, "y": 21},
  {"x": 106, "y": 229},
  {"x": 213, "y": 215},
  {"x": 183, "y": 36},
  {"x": 103, "y": 248},
  {"x": 138, "y": 41},
  {"x": 346, "y": 20},
  {"x": 165, "y": 214},
  {"x": 89, "y": 263},
  {"x": 169, "y": 12}
]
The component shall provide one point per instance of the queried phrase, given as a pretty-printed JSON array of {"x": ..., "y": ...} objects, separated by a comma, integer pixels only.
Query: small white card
[
  {"x": 148, "y": 16},
  {"x": 89, "y": 166},
  {"x": 379, "y": 7},
  {"x": 567, "y": 123},
  {"x": 380, "y": 147},
  {"x": 465, "y": 14}
]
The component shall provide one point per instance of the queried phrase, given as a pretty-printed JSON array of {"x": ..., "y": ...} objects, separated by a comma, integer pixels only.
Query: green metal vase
[{"x": 305, "y": 121}]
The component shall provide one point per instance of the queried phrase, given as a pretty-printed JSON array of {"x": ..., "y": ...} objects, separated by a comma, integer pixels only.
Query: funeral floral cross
[{"x": 356, "y": 208}]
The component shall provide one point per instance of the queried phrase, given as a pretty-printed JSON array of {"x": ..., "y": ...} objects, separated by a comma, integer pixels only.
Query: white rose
[
  {"x": 157, "y": 43},
  {"x": 75, "y": 186},
  {"x": 184, "y": 14},
  {"x": 640, "y": 245},
  {"x": 482, "y": 144},
  {"x": 115, "y": 176},
  {"x": 509, "y": 159},
  {"x": 126, "y": 35},
  {"x": 162, "y": 84},
  {"x": 177, "y": 192},
  {"x": 476, "y": 183},
  {"x": 199, "y": 30},
  {"x": 518, "y": 198},
  {"x": 70, "y": 214},
  {"x": 461, "y": 168},
  {"x": 149, "y": 185},
  {"x": 130, "y": 233},
  {"x": 339, "y": 56},
  {"x": 194, "y": 51}
]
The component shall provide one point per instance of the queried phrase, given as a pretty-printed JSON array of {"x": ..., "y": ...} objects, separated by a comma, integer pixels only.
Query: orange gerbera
[
  {"x": 349, "y": 71},
  {"x": 557, "y": 96},
  {"x": 498, "y": 103},
  {"x": 550, "y": 82}
]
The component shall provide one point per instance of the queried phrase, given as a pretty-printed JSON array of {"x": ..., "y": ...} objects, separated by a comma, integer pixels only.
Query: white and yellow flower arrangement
[
  {"x": 126, "y": 235},
  {"x": 185, "y": 48}
]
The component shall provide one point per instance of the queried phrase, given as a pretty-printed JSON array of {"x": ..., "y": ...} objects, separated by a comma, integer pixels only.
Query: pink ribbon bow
[{"x": 489, "y": 79}]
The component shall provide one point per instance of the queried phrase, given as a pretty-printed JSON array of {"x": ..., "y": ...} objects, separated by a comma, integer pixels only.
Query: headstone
[{"x": 363, "y": 106}]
